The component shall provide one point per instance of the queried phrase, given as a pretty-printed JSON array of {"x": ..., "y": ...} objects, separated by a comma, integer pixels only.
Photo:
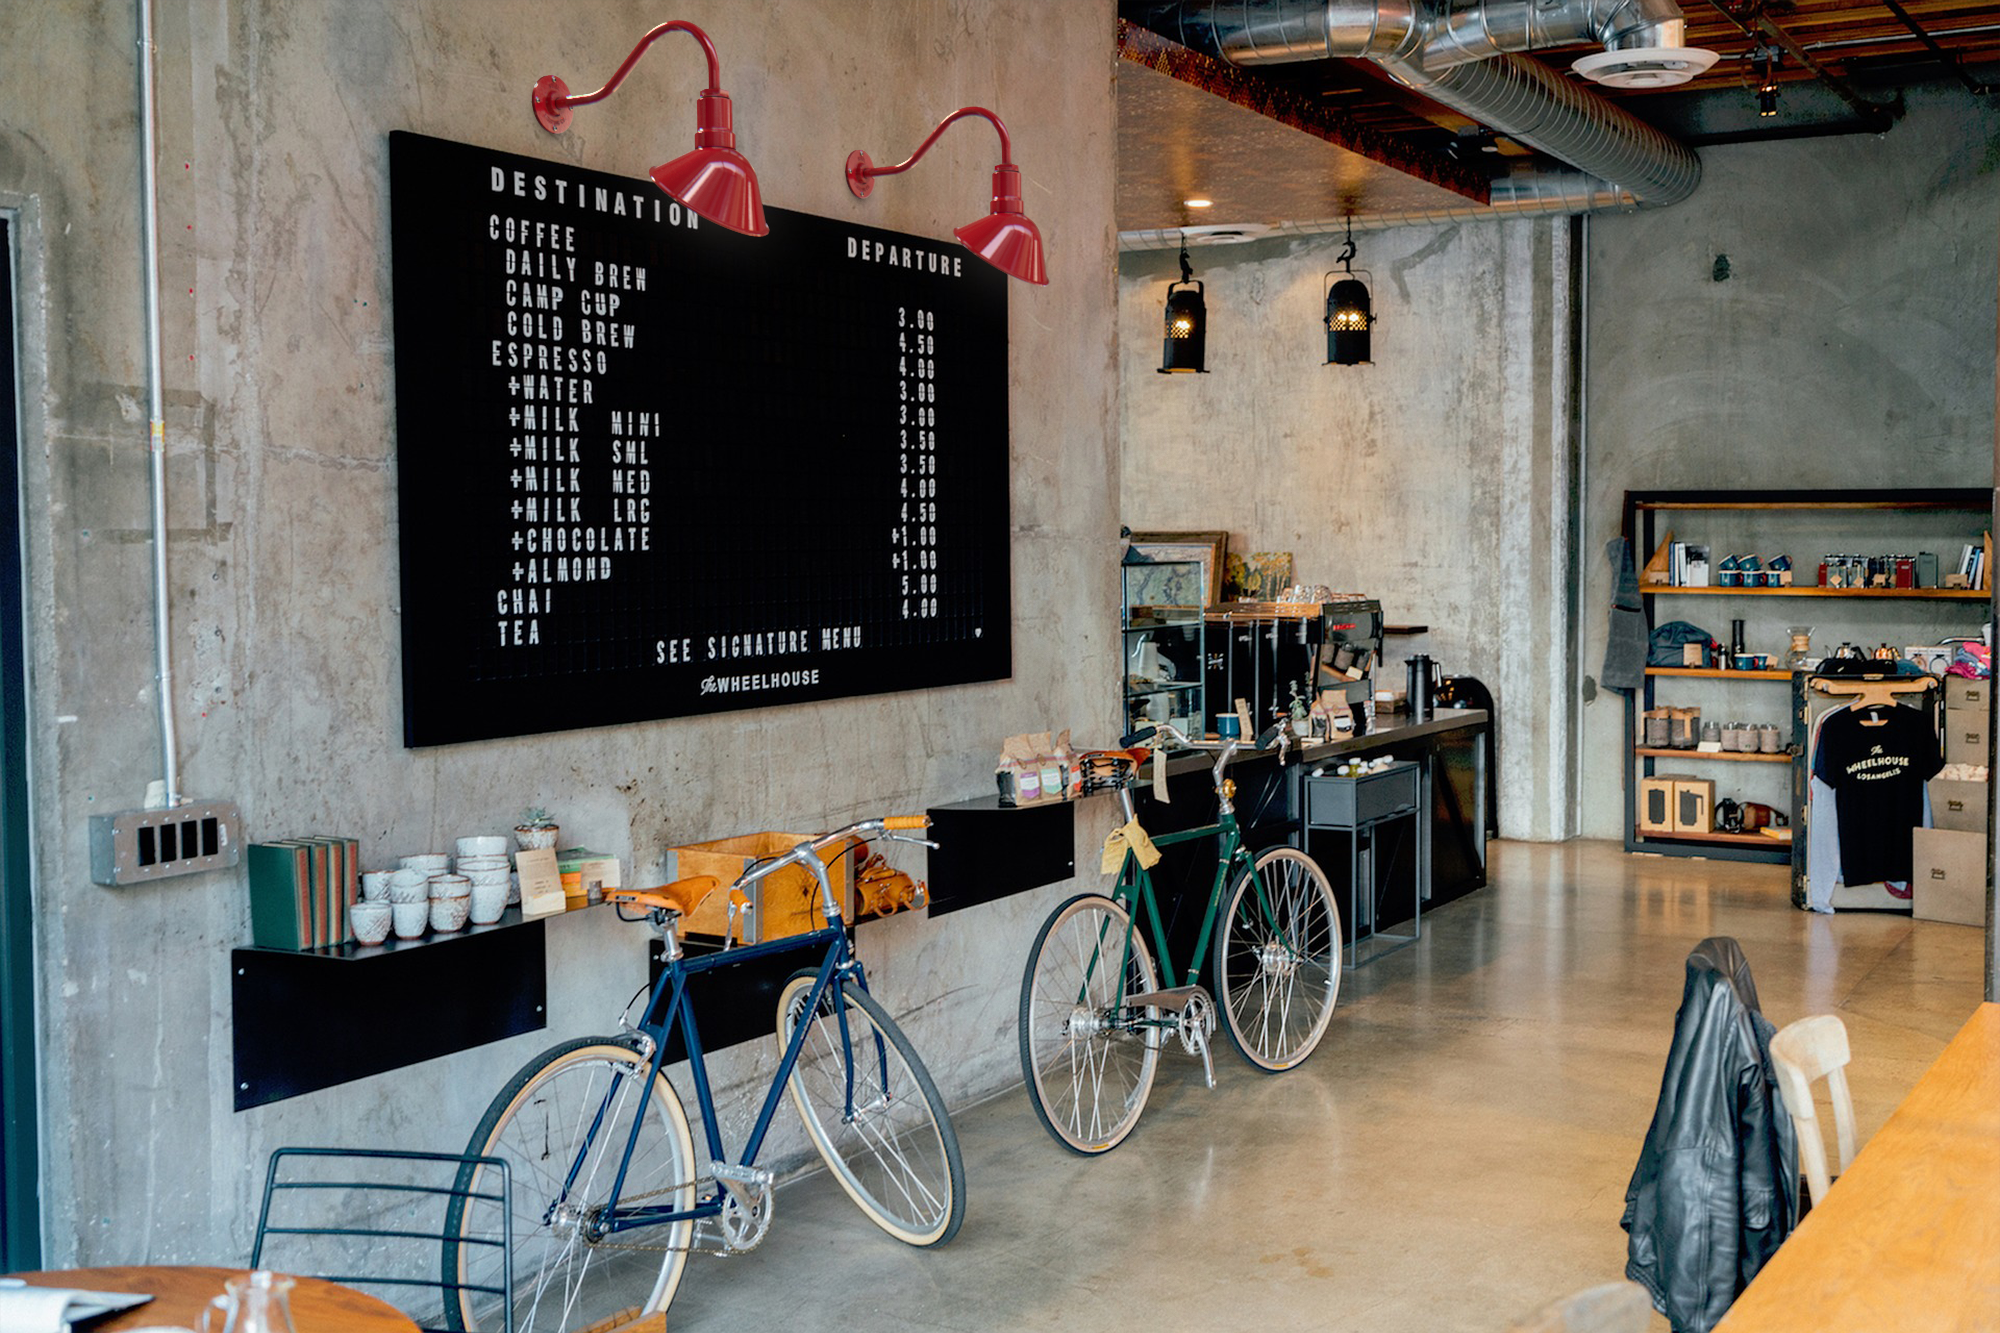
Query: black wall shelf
[{"x": 306, "y": 1021}]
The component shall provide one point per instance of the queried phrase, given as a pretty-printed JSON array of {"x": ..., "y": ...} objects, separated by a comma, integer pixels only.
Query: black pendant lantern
[
  {"x": 1185, "y": 349},
  {"x": 1349, "y": 312}
]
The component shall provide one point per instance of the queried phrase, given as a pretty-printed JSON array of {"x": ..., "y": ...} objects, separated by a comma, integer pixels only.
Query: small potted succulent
[{"x": 536, "y": 829}]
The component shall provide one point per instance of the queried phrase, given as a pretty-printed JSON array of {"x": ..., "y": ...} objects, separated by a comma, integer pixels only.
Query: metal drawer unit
[{"x": 1357, "y": 807}]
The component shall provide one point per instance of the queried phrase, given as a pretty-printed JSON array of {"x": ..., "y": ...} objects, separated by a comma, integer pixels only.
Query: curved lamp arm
[
  {"x": 861, "y": 172},
  {"x": 552, "y": 96}
]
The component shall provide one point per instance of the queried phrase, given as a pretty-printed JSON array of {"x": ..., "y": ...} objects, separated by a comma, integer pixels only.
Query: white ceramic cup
[
  {"x": 483, "y": 845},
  {"x": 499, "y": 876},
  {"x": 449, "y": 914},
  {"x": 370, "y": 920},
  {"x": 430, "y": 863},
  {"x": 488, "y": 902},
  {"x": 410, "y": 918},
  {"x": 465, "y": 865},
  {"x": 450, "y": 886},
  {"x": 375, "y": 885},
  {"x": 408, "y": 886}
]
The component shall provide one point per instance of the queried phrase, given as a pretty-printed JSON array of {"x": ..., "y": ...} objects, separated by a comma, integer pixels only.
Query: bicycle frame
[
  {"x": 1135, "y": 890},
  {"x": 669, "y": 1005},
  {"x": 1135, "y": 882}
]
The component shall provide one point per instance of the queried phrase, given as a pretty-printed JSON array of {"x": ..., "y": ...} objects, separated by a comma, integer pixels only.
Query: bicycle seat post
[
  {"x": 667, "y": 924},
  {"x": 1125, "y": 795}
]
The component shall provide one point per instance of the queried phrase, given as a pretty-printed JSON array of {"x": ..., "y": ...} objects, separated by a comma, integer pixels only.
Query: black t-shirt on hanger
[{"x": 1877, "y": 760}]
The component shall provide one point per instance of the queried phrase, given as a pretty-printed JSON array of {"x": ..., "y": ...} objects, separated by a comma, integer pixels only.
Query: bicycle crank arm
[{"x": 1193, "y": 1015}]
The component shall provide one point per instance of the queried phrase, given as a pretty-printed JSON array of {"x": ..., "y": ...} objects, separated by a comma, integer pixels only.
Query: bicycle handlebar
[{"x": 808, "y": 851}]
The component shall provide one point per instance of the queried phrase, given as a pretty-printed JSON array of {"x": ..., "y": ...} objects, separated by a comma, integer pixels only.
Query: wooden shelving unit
[
  {"x": 1716, "y": 840},
  {"x": 1814, "y": 590},
  {"x": 1644, "y": 508}
]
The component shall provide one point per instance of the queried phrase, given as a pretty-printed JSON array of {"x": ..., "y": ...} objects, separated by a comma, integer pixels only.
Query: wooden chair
[
  {"x": 1805, "y": 1051},
  {"x": 1615, "y": 1307}
]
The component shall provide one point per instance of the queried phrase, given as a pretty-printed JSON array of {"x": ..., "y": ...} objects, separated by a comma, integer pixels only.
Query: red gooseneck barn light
[
  {"x": 714, "y": 180},
  {"x": 1004, "y": 238}
]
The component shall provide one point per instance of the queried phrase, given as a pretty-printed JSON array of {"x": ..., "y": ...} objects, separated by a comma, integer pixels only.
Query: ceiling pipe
[
  {"x": 1879, "y": 115},
  {"x": 1519, "y": 98}
]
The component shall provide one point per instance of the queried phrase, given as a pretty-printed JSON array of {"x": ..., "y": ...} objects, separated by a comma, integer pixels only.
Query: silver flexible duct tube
[
  {"x": 1526, "y": 101},
  {"x": 156, "y": 401},
  {"x": 1461, "y": 56}
]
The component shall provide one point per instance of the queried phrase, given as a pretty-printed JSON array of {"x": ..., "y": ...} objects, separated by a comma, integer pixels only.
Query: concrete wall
[
  {"x": 274, "y": 123},
  {"x": 1436, "y": 479},
  {"x": 1849, "y": 346}
]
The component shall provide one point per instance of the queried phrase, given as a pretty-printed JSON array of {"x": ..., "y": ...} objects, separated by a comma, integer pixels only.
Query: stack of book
[
  {"x": 300, "y": 889},
  {"x": 1687, "y": 565},
  {"x": 1972, "y": 564}
]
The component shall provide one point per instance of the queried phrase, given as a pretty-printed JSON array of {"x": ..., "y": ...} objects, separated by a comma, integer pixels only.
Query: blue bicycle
[{"x": 608, "y": 1195}]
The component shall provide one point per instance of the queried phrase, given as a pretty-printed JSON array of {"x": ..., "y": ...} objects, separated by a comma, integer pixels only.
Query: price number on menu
[{"x": 915, "y": 539}]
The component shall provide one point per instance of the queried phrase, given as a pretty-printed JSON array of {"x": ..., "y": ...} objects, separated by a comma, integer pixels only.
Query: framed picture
[{"x": 1210, "y": 548}]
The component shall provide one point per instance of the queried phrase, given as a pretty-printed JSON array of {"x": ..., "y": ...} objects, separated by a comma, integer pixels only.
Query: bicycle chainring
[{"x": 1197, "y": 1024}]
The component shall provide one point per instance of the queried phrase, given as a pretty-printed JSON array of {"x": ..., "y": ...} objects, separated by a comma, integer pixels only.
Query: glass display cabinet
[{"x": 1161, "y": 610}]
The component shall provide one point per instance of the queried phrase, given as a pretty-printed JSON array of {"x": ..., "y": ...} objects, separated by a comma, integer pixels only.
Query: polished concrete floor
[{"x": 1453, "y": 1155}]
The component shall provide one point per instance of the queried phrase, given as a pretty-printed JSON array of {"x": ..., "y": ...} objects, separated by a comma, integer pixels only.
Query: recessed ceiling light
[{"x": 1199, "y": 203}]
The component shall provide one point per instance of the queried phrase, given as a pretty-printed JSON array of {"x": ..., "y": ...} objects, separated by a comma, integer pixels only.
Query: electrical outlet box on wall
[{"x": 139, "y": 846}]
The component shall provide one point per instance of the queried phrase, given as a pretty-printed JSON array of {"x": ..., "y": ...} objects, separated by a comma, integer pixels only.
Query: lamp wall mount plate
[{"x": 552, "y": 104}]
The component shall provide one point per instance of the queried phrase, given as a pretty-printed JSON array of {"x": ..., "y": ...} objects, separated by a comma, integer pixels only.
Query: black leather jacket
[{"x": 1715, "y": 1189}]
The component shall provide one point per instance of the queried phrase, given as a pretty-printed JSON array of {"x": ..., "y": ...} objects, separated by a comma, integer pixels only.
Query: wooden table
[
  {"x": 1909, "y": 1235},
  {"x": 179, "y": 1293}
]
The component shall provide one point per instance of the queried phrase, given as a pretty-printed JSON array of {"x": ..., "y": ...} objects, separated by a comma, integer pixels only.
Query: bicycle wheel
[
  {"x": 1277, "y": 959},
  {"x": 1088, "y": 1075},
  {"x": 871, "y": 1109},
  {"x": 541, "y": 1124}
]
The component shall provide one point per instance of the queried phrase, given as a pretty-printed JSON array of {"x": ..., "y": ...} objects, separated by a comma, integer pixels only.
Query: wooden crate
[{"x": 786, "y": 903}]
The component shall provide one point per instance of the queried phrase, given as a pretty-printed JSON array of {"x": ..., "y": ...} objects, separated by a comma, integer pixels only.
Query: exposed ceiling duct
[{"x": 1466, "y": 57}]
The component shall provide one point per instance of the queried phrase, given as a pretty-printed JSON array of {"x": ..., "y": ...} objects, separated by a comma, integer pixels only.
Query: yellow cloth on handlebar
[{"x": 1129, "y": 837}]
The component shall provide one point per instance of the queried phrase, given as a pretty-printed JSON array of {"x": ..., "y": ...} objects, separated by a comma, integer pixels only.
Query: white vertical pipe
[{"x": 155, "y": 403}]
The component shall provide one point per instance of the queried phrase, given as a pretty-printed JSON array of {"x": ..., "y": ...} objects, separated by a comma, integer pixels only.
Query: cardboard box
[
  {"x": 1963, "y": 694},
  {"x": 1948, "y": 876},
  {"x": 1694, "y": 805},
  {"x": 1960, "y": 806},
  {"x": 1965, "y": 740},
  {"x": 1656, "y": 802},
  {"x": 786, "y": 903}
]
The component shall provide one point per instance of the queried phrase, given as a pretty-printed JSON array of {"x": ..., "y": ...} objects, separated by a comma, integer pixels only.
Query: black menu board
[{"x": 649, "y": 467}]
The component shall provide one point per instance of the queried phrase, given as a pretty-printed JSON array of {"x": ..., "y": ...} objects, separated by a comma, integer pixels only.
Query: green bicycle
[{"x": 1093, "y": 1014}]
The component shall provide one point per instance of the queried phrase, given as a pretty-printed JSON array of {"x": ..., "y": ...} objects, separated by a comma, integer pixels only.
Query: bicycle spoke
[
  {"x": 1277, "y": 964},
  {"x": 1088, "y": 1071}
]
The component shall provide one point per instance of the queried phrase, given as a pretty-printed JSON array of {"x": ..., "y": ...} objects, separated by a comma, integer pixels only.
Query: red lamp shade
[
  {"x": 1005, "y": 238},
  {"x": 715, "y": 180}
]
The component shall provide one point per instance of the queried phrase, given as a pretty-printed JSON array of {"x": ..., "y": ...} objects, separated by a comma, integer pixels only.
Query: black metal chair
[{"x": 382, "y": 1219}]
